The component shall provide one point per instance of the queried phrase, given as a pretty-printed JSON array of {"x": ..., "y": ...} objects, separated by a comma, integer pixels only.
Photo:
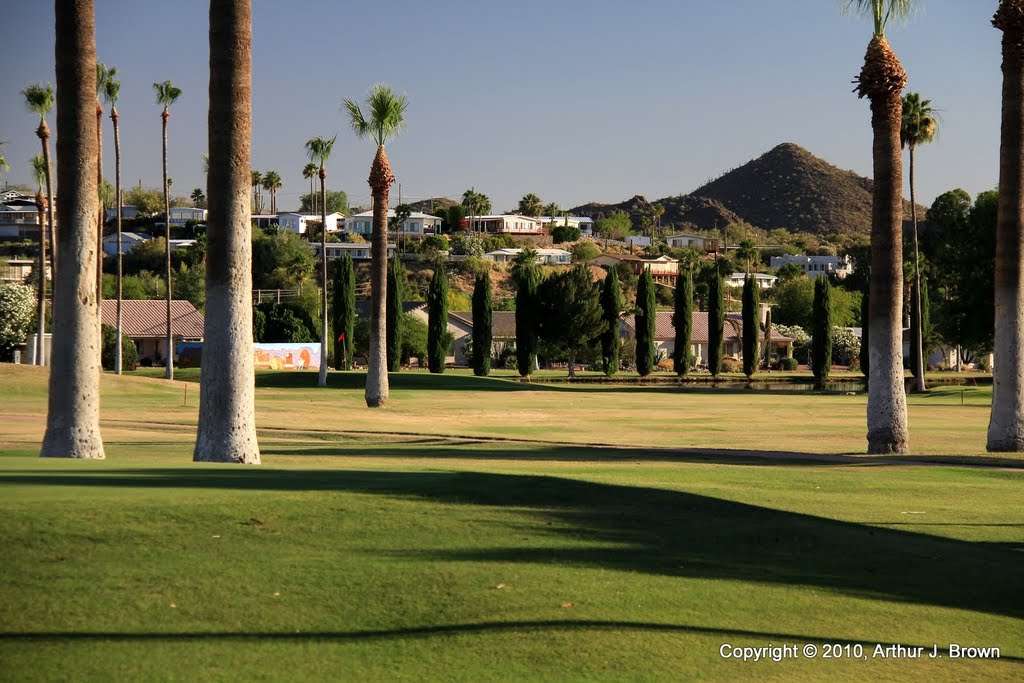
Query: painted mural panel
[{"x": 286, "y": 356}]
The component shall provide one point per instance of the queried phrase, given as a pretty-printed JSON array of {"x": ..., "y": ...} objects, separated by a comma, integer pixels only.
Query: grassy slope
[{"x": 352, "y": 555}]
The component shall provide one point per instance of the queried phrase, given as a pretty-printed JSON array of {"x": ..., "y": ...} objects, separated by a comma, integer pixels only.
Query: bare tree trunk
[
  {"x": 883, "y": 78},
  {"x": 227, "y": 420},
  {"x": 169, "y": 360},
  {"x": 40, "y": 350},
  {"x": 377, "y": 371},
  {"x": 102, "y": 212},
  {"x": 51, "y": 225},
  {"x": 1006, "y": 425},
  {"x": 918, "y": 338},
  {"x": 322, "y": 377},
  {"x": 118, "y": 360},
  {"x": 72, "y": 420}
]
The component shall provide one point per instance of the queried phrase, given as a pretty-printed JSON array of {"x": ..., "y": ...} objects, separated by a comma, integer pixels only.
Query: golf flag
[{"x": 341, "y": 337}]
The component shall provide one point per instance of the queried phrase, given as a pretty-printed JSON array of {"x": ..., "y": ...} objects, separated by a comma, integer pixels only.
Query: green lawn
[{"x": 481, "y": 529}]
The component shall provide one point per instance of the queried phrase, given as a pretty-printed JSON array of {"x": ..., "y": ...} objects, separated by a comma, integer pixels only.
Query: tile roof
[
  {"x": 148, "y": 319},
  {"x": 503, "y": 323}
]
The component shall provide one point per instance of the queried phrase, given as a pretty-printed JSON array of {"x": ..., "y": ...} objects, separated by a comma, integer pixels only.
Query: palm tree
[
  {"x": 40, "y": 101},
  {"x": 748, "y": 253},
  {"x": 918, "y": 127},
  {"x": 72, "y": 418},
  {"x": 166, "y": 95},
  {"x": 881, "y": 80},
  {"x": 530, "y": 205},
  {"x": 272, "y": 183},
  {"x": 256, "y": 180},
  {"x": 386, "y": 111},
  {"x": 111, "y": 90},
  {"x": 227, "y": 420},
  {"x": 39, "y": 174},
  {"x": 102, "y": 74},
  {"x": 4, "y": 166},
  {"x": 1006, "y": 424},
  {"x": 319, "y": 151},
  {"x": 309, "y": 172}
]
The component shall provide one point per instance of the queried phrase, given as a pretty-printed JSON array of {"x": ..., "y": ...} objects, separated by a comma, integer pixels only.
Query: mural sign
[{"x": 286, "y": 356}]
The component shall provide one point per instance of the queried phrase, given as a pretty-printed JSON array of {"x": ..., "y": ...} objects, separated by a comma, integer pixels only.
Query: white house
[
  {"x": 582, "y": 223},
  {"x": 840, "y": 266},
  {"x": 127, "y": 211},
  {"x": 547, "y": 256},
  {"x": 298, "y": 222},
  {"x": 360, "y": 251},
  {"x": 129, "y": 240},
  {"x": 763, "y": 280},
  {"x": 509, "y": 224},
  {"x": 696, "y": 242},
  {"x": 19, "y": 220},
  {"x": 16, "y": 195},
  {"x": 182, "y": 214},
  {"x": 416, "y": 225},
  {"x": 263, "y": 220}
]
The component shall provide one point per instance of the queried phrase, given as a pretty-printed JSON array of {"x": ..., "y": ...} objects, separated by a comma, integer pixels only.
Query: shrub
[
  {"x": 731, "y": 365},
  {"x": 129, "y": 354},
  {"x": 788, "y": 364}
]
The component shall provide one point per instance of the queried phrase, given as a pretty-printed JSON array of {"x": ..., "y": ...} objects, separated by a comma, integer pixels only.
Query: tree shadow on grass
[{"x": 650, "y": 530}]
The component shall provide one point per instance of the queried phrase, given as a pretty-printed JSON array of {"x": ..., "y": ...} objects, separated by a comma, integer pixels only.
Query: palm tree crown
[
  {"x": 919, "y": 123},
  {"x": 309, "y": 170},
  {"x": 319, "y": 149},
  {"x": 111, "y": 87},
  {"x": 103, "y": 76},
  {"x": 4, "y": 166},
  {"x": 880, "y": 11},
  {"x": 387, "y": 114},
  {"x": 166, "y": 94},
  {"x": 39, "y": 171},
  {"x": 39, "y": 99}
]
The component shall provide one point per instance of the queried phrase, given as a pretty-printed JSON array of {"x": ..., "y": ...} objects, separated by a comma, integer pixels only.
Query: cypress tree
[
  {"x": 682, "y": 320},
  {"x": 396, "y": 293},
  {"x": 925, "y": 325},
  {"x": 644, "y": 322},
  {"x": 344, "y": 312},
  {"x": 821, "y": 338},
  {"x": 527, "y": 280},
  {"x": 611, "y": 305},
  {"x": 438, "y": 337},
  {"x": 482, "y": 337},
  {"x": 865, "y": 348},
  {"x": 751, "y": 325},
  {"x": 716, "y": 321}
]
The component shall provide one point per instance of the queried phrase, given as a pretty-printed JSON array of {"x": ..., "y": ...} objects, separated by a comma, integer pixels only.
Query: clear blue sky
[{"x": 575, "y": 100}]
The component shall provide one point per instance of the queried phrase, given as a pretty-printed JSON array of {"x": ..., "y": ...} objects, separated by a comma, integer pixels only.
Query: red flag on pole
[{"x": 341, "y": 337}]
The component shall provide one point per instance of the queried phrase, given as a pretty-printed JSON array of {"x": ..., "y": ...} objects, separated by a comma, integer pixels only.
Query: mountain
[
  {"x": 431, "y": 205},
  {"x": 787, "y": 187}
]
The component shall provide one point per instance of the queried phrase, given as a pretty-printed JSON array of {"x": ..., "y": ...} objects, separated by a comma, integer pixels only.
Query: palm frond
[
  {"x": 881, "y": 11},
  {"x": 39, "y": 170},
  {"x": 360, "y": 126},
  {"x": 166, "y": 93},
  {"x": 386, "y": 111},
  {"x": 111, "y": 87},
  {"x": 39, "y": 98},
  {"x": 319, "y": 149}
]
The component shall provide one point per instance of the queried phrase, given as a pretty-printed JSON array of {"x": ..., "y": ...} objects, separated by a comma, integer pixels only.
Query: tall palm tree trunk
[
  {"x": 102, "y": 212},
  {"x": 882, "y": 80},
  {"x": 376, "y": 372},
  {"x": 227, "y": 421},
  {"x": 1006, "y": 425},
  {"x": 322, "y": 377},
  {"x": 169, "y": 374},
  {"x": 917, "y": 338},
  {"x": 118, "y": 360},
  {"x": 72, "y": 419},
  {"x": 51, "y": 226},
  {"x": 40, "y": 350}
]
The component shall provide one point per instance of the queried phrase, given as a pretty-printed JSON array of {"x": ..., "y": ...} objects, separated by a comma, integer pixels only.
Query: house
[
  {"x": 509, "y": 224},
  {"x": 298, "y": 222},
  {"x": 839, "y": 266},
  {"x": 264, "y": 220},
  {"x": 183, "y": 214},
  {"x": 129, "y": 240},
  {"x": 661, "y": 267},
  {"x": 19, "y": 220},
  {"x": 546, "y": 256},
  {"x": 360, "y": 251},
  {"x": 695, "y": 242},
  {"x": 127, "y": 211},
  {"x": 638, "y": 241},
  {"x": 764, "y": 281},
  {"x": 416, "y": 225},
  {"x": 503, "y": 333},
  {"x": 732, "y": 337},
  {"x": 145, "y": 322},
  {"x": 582, "y": 223},
  {"x": 16, "y": 195},
  {"x": 17, "y": 270}
]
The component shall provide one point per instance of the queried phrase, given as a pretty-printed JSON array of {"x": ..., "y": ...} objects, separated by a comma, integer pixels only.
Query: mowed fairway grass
[{"x": 482, "y": 529}]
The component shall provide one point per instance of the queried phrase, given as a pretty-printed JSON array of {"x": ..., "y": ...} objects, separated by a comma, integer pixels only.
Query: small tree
[
  {"x": 821, "y": 344},
  {"x": 682, "y": 320},
  {"x": 751, "y": 325},
  {"x": 396, "y": 293},
  {"x": 570, "y": 312},
  {"x": 716, "y": 321},
  {"x": 129, "y": 354},
  {"x": 527, "y": 279},
  {"x": 564, "y": 233},
  {"x": 611, "y": 305},
  {"x": 644, "y": 320},
  {"x": 344, "y": 312},
  {"x": 438, "y": 337},
  {"x": 17, "y": 313},
  {"x": 482, "y": 337}
]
